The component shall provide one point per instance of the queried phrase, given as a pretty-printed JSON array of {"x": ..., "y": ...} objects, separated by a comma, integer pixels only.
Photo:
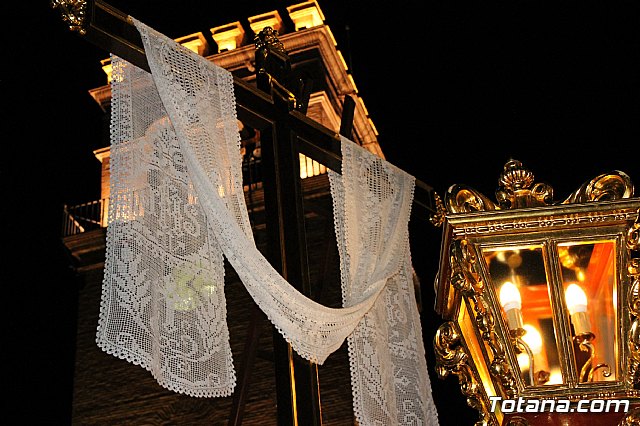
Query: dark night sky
[{"x": 455, "y": 89}]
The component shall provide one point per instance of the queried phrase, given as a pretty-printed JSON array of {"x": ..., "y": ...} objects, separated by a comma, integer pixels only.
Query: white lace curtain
[{"x": 177, "y": 207}]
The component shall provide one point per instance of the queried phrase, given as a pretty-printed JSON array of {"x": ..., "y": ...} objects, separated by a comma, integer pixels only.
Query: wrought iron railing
[{"x": 84, "y": 217}]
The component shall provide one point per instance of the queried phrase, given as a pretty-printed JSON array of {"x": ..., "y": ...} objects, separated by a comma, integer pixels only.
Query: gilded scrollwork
[
  {"x": 465, "y": 278},
  {"x": 543, "y": 193},
  {"x": 451, "y": 358},
  {"x": 517, "y": 190},
  {"x": 518, "y": 421},
  {"x": 74, "y": 13},
  {"x": 437, "y": 218},
  {"x": 633, "y": 298},
  {"x": 450, "y": 353},
  {"x": 632, "y": 418},
  {"x": 633, "y": 235},
  {"x": 605, "y": 187},
  {"x": 464, "y": 199}
]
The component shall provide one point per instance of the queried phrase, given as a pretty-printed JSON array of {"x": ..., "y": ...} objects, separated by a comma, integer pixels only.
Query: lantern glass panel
[
  {"x": 520, "y": 282},
  {"x": 590, "y": 288}
]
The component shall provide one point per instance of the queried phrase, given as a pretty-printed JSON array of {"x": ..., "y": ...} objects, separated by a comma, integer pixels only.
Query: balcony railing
[
  {"x": 84, "y": 217},
  {"x": 93, "y": 215}
]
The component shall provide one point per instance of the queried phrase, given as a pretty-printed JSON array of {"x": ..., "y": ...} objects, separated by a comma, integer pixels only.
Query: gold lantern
[{"x": 541, "y": 300}]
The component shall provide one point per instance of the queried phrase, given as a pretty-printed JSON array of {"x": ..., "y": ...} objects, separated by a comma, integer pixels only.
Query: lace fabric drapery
[
  {"x": 372, "y": 204},
  {"x": 162, "y": 304},
  {"x": 177, "y": 205}
]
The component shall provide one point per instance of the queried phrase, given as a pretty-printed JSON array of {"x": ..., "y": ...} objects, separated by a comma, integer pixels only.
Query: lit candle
[
  {"x": 512, "y": 304},
  {"x": 577, "y": 304}
]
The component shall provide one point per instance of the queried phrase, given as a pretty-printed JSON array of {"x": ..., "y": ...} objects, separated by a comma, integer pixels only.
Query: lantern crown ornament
[{"x": 541, "y": 300}]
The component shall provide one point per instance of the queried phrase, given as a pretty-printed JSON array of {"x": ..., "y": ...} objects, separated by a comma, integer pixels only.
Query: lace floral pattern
[
  {"x": 177, "y": 206},
  {"x": 372, "y": 204},
  {"x": 163, "y": 305}
]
